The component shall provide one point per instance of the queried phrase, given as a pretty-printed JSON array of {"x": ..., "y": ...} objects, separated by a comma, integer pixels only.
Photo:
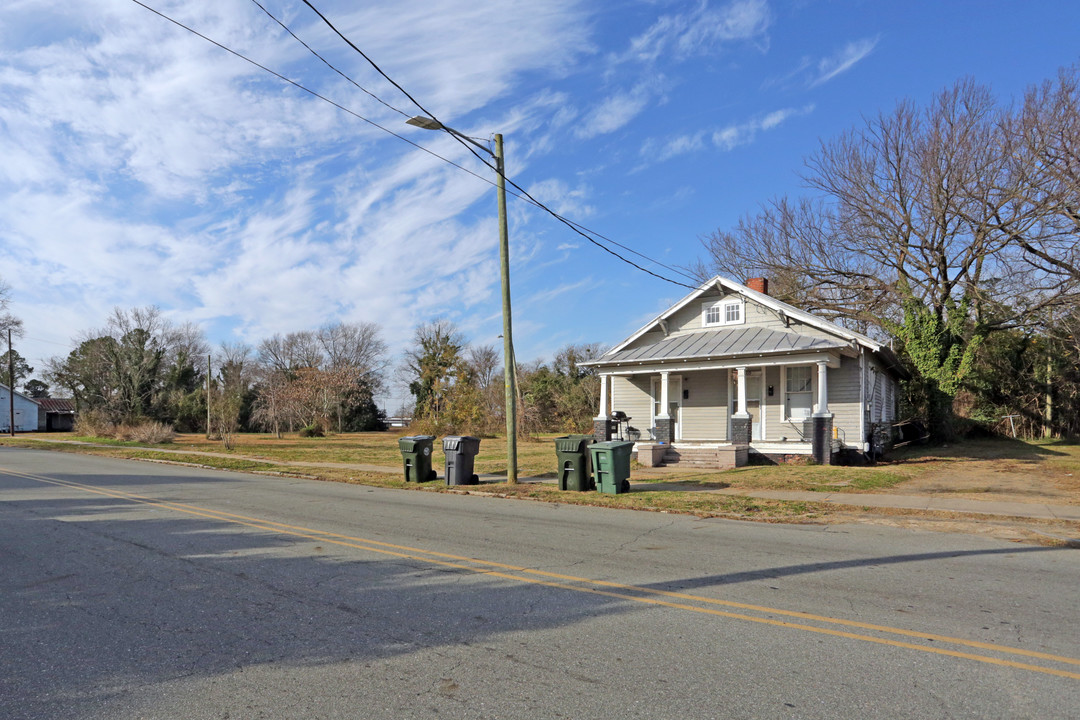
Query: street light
[{"x": 504, "y": 266}]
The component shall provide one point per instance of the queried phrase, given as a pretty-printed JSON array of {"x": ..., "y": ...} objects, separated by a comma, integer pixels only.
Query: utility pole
[
  {"x": 509, "y": 362},
  {"x": 11, "y": 382},
  {"x": 510, "y": 369},
  {"x": 208, "y": 396}
]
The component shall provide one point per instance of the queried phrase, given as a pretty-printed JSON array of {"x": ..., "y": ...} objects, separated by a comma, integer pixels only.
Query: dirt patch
[
  {"x": 994, "y": 480},
  {"x": 1051, "y": 533}
]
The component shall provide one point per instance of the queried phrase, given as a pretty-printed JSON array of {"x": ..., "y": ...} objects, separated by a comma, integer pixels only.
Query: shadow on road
[{"x": 806, "y": 568}]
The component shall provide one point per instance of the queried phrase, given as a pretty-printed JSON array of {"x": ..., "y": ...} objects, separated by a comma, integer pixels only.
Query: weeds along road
[{"x": 135, "y": 590}]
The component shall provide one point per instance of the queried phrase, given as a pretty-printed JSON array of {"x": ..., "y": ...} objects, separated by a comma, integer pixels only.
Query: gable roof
[
  {"x": 19, "y": 394},
  {"x": 782, "y": 309},
  {"x": 57, "y": 405}
]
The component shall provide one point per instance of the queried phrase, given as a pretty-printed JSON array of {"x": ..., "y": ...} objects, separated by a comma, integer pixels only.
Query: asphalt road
[{"x": 137, "y": 590}]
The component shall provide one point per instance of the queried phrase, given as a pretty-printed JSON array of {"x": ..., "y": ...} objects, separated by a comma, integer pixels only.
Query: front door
[
  {"x": 753, "y": 407},
  {"x": 674, "y": 403},
  {"x": 755, "y": 384}
]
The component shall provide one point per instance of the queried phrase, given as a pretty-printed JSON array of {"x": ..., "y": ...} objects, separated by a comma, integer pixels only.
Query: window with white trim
[
  {"x": 798, "y": 392},
  {"x": 722, "y": 312}
]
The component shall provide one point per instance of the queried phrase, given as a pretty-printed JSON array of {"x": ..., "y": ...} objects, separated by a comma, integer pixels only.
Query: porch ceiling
[{"x": 719, "y": 344}]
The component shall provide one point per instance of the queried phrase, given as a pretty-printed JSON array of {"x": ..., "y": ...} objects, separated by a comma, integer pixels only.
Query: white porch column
[
  {"x": 740, "y": 408},
  {"x": 822, "y": 388},
  {"x": 603, "y": 414},
  {"x": 664, "y": 379}
]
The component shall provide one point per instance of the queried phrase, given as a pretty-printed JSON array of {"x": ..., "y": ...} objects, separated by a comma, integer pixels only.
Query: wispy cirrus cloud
[
  {"x": 614, "y": 112},
  {"x": 701, "y": 29},
  {"x": 146, "y": 166},
  {"x": 843, "y": 60},
  {"x": 723, "y": 138}
]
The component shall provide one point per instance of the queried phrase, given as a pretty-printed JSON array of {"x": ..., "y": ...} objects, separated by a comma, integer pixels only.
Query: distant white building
[{"x": 26, "y": 412}]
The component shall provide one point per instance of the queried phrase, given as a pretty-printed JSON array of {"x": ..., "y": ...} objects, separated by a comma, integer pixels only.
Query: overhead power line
[
  {"x": 327, "y": 62},
  {"x": 570, "y": 224},
  {"x": 524, "y": 194}
]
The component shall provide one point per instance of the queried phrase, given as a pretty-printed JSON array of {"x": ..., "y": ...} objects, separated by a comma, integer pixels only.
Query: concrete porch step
[{"x": 702, "y": 457}]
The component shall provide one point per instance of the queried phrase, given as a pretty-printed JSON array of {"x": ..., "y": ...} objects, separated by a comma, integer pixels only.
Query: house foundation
[
  {"x": 602, "y": 429},
  {"x": 821, "y": 432}
]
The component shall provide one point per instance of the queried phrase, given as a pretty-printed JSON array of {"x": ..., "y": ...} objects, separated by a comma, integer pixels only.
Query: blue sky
[{"x": 143, "y": 165}]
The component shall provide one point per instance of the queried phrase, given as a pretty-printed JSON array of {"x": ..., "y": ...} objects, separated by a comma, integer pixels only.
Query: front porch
[
  {"x": 718, "y": 455},
  {"x": 718, "y": 415}
]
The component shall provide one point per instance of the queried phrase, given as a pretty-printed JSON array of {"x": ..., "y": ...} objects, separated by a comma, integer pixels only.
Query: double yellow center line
[{"x": 885, "y": 635}]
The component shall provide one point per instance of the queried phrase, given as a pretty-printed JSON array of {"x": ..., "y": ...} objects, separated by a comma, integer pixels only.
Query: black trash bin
[
  {"x": 611, "y": 462},
  {"x": 460, "y": 453},
  {"x": 575, "y": 463},
  {"x": 416, "y": 456}
]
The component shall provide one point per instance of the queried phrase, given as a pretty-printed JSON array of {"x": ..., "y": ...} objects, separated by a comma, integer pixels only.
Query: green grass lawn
[{"x": 536, "y": 458}]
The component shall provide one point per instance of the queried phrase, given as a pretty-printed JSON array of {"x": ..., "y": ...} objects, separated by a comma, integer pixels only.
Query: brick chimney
[{"x": 761, "y": 285}]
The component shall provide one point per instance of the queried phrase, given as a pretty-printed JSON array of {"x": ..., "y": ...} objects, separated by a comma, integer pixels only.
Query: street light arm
[{"x": 422, "y": 121}]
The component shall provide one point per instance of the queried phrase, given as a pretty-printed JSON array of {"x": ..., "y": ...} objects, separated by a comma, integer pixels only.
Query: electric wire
[
  {"x": 524, "y": 195},
  {"x": 573, "y": 226},
  {"x": 313, "y": 93},
  {"x": 327, "y": 62}
]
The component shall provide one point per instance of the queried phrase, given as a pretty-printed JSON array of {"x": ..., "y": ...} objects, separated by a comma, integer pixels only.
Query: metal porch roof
[{"x": 713, "y": 344}]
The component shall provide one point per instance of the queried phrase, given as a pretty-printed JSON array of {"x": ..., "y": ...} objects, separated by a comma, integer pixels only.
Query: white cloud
[
  {"x": 701, "y": 30},
  {"x": 143, "y": 165},
  {"x": 843, "y": 60},
  {"x": 724, "y": 138},
  {"x": 613, "y": 113},
  {"x": 560, "y": 197}
]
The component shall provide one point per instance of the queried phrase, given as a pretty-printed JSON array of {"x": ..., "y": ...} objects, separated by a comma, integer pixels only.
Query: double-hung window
[{"x": 722, "y": 312}]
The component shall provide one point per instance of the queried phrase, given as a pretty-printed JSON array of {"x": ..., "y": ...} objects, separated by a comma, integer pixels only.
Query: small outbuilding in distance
[{"x": 26, "y": 411}]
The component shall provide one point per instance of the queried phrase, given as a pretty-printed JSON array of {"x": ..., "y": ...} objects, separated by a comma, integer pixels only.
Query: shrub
[
  {"x": 152, "y": 433},
  {"x": 312, "y": 431},
  {"x": 93, "y": 424}
]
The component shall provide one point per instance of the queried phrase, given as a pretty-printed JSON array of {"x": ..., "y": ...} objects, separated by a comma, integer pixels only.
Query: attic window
[{"x": 722, "y": 312}]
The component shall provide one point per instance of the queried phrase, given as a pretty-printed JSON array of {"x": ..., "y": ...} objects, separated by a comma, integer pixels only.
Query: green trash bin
[
  {"x": 461, "y": 453},
  {"x": 575, "y": 464},
  {"x": 611, "y": 464},
  {"x": 416, "y": 456}
]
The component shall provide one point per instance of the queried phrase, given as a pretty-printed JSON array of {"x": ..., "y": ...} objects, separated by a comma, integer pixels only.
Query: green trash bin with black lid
[
  {"x": 611, "y": 466},
  {"x": 460, "y": 451},
  {"x": 575, "y": 465},
  {"x": 416, "y": 457}
]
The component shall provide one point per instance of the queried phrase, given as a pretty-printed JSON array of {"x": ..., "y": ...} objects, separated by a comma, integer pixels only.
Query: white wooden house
[
  {"x": 26, "y": 412},
  {"x": 730, "y": 370}
]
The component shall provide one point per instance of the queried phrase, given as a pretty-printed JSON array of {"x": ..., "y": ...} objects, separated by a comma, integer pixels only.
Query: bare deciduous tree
[{"x": 933, "y": 226}]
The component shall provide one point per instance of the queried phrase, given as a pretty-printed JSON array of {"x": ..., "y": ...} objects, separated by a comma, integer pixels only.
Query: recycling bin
[
  {"x": 416, "y": 456},
  {"x": 611, "y": 465},
  {"x": 575, "y": 464},
  {"x": 460, "y": 451}
]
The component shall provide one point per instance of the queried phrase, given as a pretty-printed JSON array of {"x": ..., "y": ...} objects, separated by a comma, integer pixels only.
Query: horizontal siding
[
  {"x": 804, "y": 329},
  {"x": 705, "y": 409},
  {"x": 632, "y": 395},
  {"x": 759, "y": 315},
  {"x": 775, "y": 427},
  {"x": 689, "y": 317},
  {"x": 844, "y": 399}
]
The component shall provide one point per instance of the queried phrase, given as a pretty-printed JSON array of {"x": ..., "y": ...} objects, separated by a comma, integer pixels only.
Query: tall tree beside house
[
  {"x": 22, "y": 368},
  {"x": 128, "y": 370},
  {"x": 562, "y": 396},
  {"x": 36, "y": 389},
  {"x": 936, "y": 226},
  {"x": 7, "y": 320}
]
